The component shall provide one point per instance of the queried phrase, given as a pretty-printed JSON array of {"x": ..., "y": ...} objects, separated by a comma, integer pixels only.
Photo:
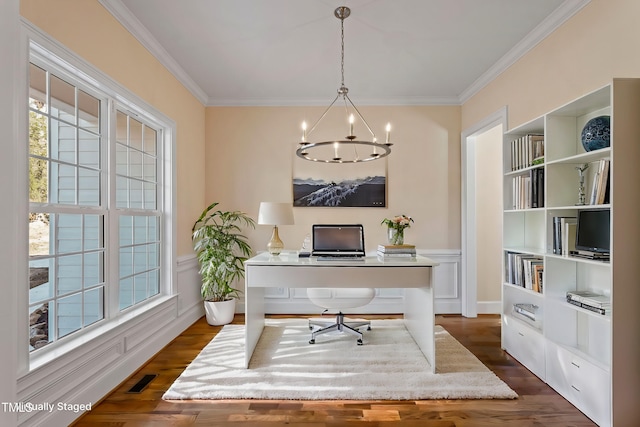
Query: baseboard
[{"x": 489, "y": 307}]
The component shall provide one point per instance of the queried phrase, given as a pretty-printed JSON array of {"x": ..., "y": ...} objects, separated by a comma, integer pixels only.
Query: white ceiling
[{"x": 287, "y": 52}]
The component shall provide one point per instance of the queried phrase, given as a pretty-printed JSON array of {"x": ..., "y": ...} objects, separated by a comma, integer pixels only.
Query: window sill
[{"x": 53, "y": 351}]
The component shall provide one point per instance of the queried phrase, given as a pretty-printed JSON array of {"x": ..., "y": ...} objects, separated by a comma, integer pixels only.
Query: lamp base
[{"x": 275, "y": 245}]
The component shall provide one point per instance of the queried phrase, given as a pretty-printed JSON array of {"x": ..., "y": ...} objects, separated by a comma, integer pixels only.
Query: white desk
[{"x": 289, "y": 271}]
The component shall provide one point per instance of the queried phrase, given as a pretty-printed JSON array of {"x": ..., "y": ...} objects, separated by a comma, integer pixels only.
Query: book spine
[
  {"x": 396, "y": 255},
  {"x": 586, "y": 306},
  {"x": 525, "y": 313}
]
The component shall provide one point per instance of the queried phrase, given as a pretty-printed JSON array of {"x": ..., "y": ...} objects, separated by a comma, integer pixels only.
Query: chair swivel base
[{"x": 350, "y": 327}]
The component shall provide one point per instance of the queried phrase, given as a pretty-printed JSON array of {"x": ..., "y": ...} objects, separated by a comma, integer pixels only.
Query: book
[
  {"x": 569, "y": 236},
  {"x": 527, "y": 310},
  {"x": 603, "y": 181},
  {"x": 523, "y": 270},
  {"x": 537, "y": 279},
  {"x": 588, "y": 307},
  {"x": 589, "y": 298},
  {"x": 397, "y": 248},
  {"x": 396, "y": 255},
  {"x": 527, "y": 151},
  {"x": 558, "y": 222}
]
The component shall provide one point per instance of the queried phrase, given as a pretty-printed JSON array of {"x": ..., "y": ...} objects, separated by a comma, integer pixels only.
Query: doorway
[{"x": 481, "y": 225}]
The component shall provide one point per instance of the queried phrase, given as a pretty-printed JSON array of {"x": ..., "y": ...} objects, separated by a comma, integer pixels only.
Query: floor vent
[{"x": 142, "y": 384}]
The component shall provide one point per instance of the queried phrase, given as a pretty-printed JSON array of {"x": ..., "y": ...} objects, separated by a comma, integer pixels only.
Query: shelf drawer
[
  {"x": 525, "y": 344},
  {"x": 582, "y": 383}
]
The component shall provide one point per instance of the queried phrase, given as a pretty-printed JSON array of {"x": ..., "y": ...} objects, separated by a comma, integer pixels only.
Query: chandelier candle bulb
[
  {"x": 388, "y": 132},
  {"x": 304, "y": 131},
  {"x": 351, "y": 120}
]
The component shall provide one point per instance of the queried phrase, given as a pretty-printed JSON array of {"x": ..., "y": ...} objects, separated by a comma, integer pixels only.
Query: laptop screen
[{"x": 338, "y": 239}]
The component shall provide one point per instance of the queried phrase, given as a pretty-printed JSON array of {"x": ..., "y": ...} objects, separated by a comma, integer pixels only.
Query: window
[
  {"x": 136, "y": 200},
  {"x": 96, "y": 204}
]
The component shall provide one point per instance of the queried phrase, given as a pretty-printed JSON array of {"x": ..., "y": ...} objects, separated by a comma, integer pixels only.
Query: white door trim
[{"x": 468, "y": 206}]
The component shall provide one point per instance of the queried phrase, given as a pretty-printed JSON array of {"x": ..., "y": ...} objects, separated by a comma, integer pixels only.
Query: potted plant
[{"x": 221, "y": 249}]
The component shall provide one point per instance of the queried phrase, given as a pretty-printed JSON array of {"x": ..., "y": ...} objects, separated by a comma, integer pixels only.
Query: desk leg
[
  {"x": 254, "y": 320},
  {"x": 419, "y": 319}
]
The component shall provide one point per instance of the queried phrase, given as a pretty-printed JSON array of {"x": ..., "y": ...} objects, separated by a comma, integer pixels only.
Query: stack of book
[
  {"x": 527, "y": 311},
  {"x": 527, "y": 151},
  {"x": 591, "y": 301},
  {"x": 564, "y": 234},
  {"x": 524, "y": 270},
  {"x": 527, "y": 191},
  {"x": 393, "y": 251}
]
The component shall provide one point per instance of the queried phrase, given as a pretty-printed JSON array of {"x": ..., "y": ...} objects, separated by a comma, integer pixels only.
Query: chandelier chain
[{"x": 342, "y": 49}]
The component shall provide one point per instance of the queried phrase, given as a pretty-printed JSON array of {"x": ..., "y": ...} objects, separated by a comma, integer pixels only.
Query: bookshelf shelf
[{"x": 578, "y": 348}]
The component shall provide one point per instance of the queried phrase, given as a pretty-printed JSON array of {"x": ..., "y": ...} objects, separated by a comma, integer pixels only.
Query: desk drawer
[
  {"x": 582, "y": 383},
  {"x": 332, "y": 276},
  {"x": 525, "y": 344}
]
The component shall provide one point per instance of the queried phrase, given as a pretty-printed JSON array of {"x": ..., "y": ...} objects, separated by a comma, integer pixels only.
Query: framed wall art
[{"x": 339, "y": 185}]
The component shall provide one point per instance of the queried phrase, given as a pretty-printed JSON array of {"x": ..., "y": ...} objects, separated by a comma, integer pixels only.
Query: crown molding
[
  {"x": 565, "y": 11},
  {"x": 140, "y": 32},
  {"x": 402, "y": 101},
  {"x": 559, "y": 16}
]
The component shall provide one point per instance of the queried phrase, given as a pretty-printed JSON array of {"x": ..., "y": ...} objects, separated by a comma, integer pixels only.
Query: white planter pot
[{"x": 220, "y": 312}]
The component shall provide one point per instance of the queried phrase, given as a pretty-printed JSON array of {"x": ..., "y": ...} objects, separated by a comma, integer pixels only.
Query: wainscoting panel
[{"x": 91, "y": 370}]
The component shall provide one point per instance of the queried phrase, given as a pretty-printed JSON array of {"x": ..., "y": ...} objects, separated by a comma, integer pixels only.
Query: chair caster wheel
[
  {"x": 369, "y": 328},
  {"x": 360, "y": 342},
  {"x": 312, "y": 341}
]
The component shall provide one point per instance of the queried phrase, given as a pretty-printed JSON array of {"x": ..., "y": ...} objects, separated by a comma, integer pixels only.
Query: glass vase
[{"x": 395, "y": 236}]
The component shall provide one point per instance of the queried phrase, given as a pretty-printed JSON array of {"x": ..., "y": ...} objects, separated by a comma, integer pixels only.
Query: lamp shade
[{"x": 273, "y": 213}]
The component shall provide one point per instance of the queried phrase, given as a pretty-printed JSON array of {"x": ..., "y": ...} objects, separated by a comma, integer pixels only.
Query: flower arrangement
[{"x": 396, "y": 226}]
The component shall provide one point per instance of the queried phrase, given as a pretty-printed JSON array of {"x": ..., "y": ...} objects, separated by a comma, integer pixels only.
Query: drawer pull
[
  {"x": 575, "y": 388},
  {"x": 575, "y": 364}
]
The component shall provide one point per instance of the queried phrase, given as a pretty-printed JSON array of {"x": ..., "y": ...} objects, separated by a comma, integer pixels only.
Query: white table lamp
[{"x": 272, "y": 213}]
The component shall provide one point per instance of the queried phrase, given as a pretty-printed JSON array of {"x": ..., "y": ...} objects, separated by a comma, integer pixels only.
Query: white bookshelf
[{"x": 589, "y": 358}]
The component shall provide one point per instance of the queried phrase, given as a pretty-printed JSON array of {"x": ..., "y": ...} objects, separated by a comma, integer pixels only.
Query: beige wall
[
  {"x": 250, "y": 153},
  {"x": 597, "y": 44},
  {"x": 87, "y": 29},
  {"x": 488, "y": 148}
]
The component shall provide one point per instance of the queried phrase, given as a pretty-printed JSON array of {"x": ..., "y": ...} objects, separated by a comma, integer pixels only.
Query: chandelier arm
[
  {"x": 361, "y": 116},
  {"x": 323, "y": 114}
]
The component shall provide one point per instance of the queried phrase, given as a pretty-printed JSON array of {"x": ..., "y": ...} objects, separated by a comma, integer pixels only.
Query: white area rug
[{"x": 389, "y": 366}]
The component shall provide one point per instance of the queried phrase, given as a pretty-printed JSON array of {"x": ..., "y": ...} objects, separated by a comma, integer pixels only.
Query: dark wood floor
[{"x": 537, "y": 404}]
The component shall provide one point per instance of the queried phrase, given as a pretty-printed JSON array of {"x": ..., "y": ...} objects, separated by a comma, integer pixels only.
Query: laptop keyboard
[{"x": 340, "y": 258}]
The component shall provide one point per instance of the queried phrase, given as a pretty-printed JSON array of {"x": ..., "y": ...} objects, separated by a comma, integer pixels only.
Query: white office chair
[{"x": 349, "y": 298}]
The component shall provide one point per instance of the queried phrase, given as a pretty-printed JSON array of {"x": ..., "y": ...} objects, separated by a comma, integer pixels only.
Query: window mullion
[{"x": 112, "y": 278}]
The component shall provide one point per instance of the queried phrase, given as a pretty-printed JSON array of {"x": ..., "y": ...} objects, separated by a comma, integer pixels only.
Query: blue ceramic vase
[{"x": 596, "y": 134}]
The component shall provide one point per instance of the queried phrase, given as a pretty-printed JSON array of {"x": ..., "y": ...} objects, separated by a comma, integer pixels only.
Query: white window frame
[{"x": 64, "y": 63}]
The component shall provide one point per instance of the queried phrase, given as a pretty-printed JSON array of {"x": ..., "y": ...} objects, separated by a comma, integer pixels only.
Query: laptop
[{"x": 338, "y": 240}]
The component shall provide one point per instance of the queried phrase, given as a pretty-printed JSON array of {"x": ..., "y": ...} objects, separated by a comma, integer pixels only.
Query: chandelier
[{"x": 351, "y": 149}]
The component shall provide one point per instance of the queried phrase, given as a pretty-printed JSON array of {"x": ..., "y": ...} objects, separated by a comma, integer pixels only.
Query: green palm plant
[{"x": 221, "y": 249}]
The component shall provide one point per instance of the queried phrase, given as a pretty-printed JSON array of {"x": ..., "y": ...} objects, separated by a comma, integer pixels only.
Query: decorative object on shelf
[
  {"x": 272, "y": 213},
  {"x": 350, "y": 149},
  {"x": 221, "y": 252},
  {"x": 596, "y": 134},
  {"x": 396, "y": 227},
  {"x": 582, "y": 197}
]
